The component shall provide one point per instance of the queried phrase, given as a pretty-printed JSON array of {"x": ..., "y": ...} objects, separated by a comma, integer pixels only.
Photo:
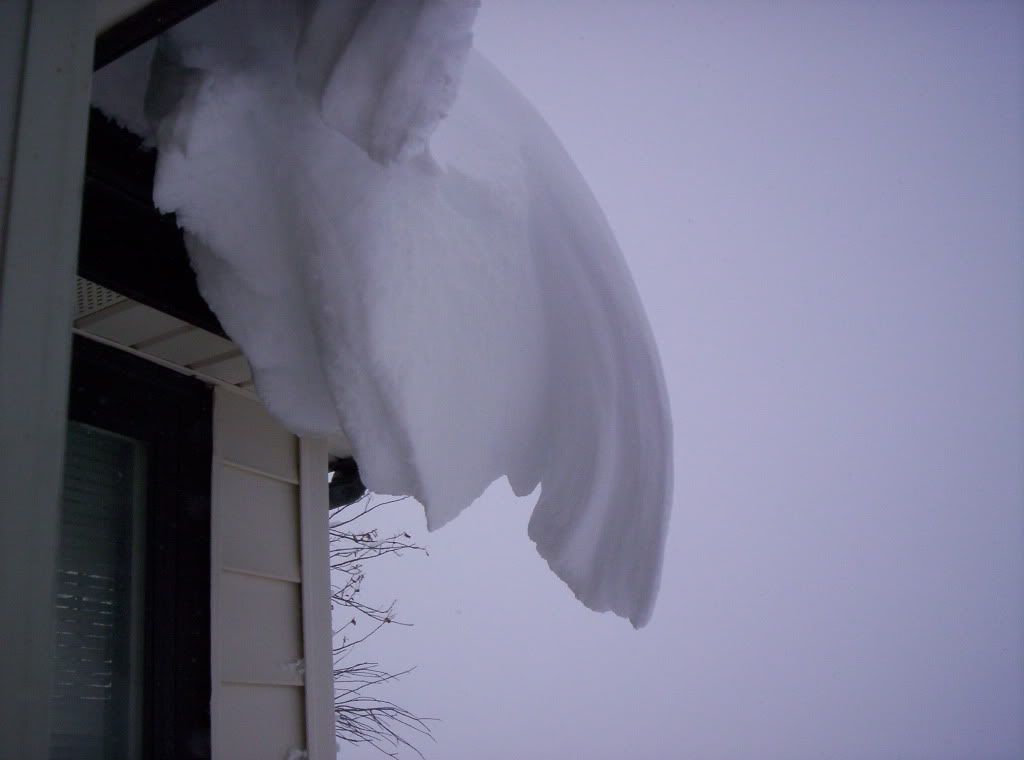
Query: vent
[{"x": 90, "y": 298}]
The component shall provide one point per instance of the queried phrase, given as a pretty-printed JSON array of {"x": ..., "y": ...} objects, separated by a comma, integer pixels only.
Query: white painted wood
[
  {"x": 129, "y": 323},
  {"x": 234, "y": 370},
  {"x": 261, "y": 630},
  {"x": 257, "y": 440},
  {"x": 246, "y": 393},
  {"x": 316, "y": 596},
  {"x": 189, "y": 347},
  {"x": 44, "y": 100},
  {"x": 214, "y": 359},
  {"x": 161, "y": 337},
  {"x": 259, "y": 722},
  {"x": 263, "y": 516}
]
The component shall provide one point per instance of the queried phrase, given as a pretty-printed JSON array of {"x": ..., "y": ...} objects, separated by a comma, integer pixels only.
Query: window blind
[{"x": 98, "y": 631}]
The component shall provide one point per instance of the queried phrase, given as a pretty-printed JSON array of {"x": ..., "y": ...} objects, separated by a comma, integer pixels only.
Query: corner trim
[{"x": 317, "y": 631}]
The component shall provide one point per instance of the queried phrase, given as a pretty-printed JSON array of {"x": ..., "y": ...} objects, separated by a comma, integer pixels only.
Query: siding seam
[{"x": 262, "y": 473}]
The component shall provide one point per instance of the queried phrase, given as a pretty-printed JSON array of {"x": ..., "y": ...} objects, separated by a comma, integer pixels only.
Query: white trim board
[
  {"x": 316, "y": 598},
  {"x": 44, "y": 106}
]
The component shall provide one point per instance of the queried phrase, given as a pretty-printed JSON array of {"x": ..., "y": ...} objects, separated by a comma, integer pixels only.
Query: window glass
[{"x": 99, "y": 639}]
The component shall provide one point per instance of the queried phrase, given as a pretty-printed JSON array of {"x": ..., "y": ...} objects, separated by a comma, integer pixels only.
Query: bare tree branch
[{"x": 362, "y": 718}]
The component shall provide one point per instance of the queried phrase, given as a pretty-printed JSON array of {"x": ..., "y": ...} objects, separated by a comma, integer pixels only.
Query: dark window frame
[{"x": 173, "y": 415}]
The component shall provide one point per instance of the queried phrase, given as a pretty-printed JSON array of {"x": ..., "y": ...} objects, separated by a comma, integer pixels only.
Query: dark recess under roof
[
  {"x": 125, "y": 244},
  {"x": 142, "y": 26}
]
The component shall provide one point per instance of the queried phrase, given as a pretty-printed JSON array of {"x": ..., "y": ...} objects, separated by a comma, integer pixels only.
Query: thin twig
[{"x": 363, "y": 718}]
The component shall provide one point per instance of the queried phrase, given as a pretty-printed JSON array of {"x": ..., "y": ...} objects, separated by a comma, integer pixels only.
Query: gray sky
[{"x": 822, "y": 206}]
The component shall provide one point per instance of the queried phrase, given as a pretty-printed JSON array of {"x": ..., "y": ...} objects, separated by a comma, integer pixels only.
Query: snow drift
[{"x": 416, "y": 262}]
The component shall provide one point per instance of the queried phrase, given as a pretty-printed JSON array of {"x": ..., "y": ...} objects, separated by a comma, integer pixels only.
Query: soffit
[{"x": 102, "y": 314}]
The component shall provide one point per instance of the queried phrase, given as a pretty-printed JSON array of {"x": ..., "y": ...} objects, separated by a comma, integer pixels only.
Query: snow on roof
[{"x": 446, "y": 291}]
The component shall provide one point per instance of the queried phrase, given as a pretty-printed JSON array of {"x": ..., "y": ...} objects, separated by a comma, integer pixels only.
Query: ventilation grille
[{"x": 90, "y": 298}]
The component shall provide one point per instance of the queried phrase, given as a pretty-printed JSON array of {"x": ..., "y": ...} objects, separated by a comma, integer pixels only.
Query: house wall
[
  {"x": 271, "y": 647},
  {"x": 271, "y": 680},
  {"x": 45, "y": 56},
  {"x": 271, "y": 663}
]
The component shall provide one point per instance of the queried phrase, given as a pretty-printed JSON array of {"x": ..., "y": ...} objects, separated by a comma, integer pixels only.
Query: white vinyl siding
[
  {"x": 258, "y": 651},
  {"x": 270, "y": 584},
  {"x": 264, "y": 515},
  {"x": 256, "y": 722},
  {"x": 266, "y": 601}
]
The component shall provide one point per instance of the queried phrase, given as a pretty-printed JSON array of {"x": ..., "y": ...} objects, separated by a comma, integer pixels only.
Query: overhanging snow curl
[{"x": 417, "y": 262}]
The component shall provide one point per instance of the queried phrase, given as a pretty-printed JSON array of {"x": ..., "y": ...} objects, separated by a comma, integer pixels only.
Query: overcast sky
[{"x": 822, "y": 207}]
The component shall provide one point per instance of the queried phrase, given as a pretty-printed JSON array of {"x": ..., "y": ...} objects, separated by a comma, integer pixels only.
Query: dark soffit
[
  {"x": 142, "y": 26},
  {"x": 125, "y": 244}
]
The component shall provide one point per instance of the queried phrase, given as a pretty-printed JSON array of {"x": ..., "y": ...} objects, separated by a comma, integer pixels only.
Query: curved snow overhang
[
  {"x": 118, "y": 217},
  {"x": 119, "y": 223},
  {"x": 569, "y": 388}
]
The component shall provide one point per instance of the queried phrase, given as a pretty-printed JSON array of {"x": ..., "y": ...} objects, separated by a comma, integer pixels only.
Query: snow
[
  {"x": 444, "y": 290},
  {"x": 385, "y": 73}
]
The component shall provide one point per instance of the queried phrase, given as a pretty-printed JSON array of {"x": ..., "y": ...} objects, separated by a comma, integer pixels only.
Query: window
[
  {"x": 99, "y": 624},
  {"x": 132, "y": 631}
]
